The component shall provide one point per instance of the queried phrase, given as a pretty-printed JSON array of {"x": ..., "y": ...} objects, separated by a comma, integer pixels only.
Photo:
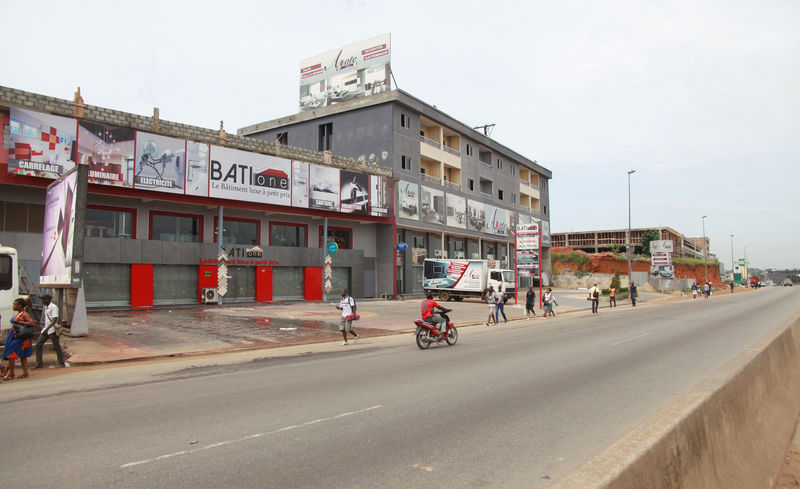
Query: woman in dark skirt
[{"x": 17, "y": 347}]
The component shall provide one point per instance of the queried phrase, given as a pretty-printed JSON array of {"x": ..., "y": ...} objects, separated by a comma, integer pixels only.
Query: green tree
[
  {"x": 647, "y": 237},
  {"x": 794, "y": 278},
  {"x": 615, "y": 280}
]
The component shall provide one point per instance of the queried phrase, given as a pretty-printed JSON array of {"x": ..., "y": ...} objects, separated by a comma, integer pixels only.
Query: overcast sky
[{"x": 701, "y": 98}]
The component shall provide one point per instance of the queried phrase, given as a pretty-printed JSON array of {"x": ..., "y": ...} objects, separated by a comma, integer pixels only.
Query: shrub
[
  {"x": 581, "y": 273},
  {"x": 578, "y": 259},
  {"x": 615, "y": 280}
]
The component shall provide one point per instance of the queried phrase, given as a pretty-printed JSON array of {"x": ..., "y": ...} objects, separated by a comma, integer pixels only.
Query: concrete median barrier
[{"x": 730, "y": 432}]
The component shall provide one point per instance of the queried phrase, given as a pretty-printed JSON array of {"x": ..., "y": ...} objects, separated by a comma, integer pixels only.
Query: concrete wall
[{"x": 731, "y": 432}]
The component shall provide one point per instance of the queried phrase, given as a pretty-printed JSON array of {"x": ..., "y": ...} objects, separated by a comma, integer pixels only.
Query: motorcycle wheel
[
  {"x": 452, "y": 336},
  {"x": 422, "y": 340}
]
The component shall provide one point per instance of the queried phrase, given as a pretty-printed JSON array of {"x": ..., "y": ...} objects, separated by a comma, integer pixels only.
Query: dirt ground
[{"x": 790, "y": 475}]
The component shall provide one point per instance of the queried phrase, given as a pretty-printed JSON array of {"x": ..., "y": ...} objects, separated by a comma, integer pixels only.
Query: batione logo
[
  {"x": 343, "y": 64},
  {"x": 245, "y": 175}
]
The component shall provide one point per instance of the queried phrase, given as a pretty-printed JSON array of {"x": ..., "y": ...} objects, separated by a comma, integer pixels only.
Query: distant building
[{"x": 615, "y": 239}]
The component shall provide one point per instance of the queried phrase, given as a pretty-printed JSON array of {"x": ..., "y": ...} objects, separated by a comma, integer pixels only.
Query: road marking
[
  {"x": 248, "y": 437},
  {"x": 630, "y": 339}
]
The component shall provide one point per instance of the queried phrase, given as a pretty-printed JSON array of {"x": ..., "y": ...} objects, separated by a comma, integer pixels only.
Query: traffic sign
[
  {"x": 401, "y": 246},
  {"x": 333, "y": 247}
]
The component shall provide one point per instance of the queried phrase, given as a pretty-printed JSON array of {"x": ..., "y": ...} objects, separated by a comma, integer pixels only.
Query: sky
[{"x": 701, "y": 98}]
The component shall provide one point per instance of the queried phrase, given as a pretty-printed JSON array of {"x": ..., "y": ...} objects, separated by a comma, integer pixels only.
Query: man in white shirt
[
  {"x": 348, "y": 308},
  {"x": 499, "y": 301},
  {"x": 49, "y": 320},
  {"x": 594, "y": 296}
]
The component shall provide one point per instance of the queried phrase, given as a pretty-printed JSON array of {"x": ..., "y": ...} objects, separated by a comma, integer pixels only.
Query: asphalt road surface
[{"x": 517, "y": 405}]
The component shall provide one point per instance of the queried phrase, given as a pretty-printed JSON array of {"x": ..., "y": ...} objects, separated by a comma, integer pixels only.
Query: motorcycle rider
[{"x": 428, "y": 308}]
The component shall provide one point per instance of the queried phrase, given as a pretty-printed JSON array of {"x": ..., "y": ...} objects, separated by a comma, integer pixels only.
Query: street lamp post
[
  {"x": 733, "y": 266},
  {"x": 628, "y": 238},
  {"x": 705, "y": 247}
]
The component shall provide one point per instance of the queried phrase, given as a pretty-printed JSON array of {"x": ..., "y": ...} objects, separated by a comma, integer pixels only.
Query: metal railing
[
  {"x": 452, "y": 151},
  {"x": 430, "y": 178},
  {"x": 430, "y": 141},
  {"x": 452, "y": 185}
]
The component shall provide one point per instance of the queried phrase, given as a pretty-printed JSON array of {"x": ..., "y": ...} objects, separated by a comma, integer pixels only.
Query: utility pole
[
  {"x": 705, "y": 247},
  {"x": 628, "y": 237},
  {"x": 733, "y": 267}
]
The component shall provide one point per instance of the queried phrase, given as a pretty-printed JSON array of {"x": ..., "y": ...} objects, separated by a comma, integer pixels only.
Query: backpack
[{"x": 595, "y": 294}]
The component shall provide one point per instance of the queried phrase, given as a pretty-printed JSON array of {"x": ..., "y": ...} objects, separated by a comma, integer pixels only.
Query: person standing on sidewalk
[
  {"x": 348, "y": 307},
  {"x": 17, "y": 347},
  {"x": 732, "y": 287},
  {"x": 612, "y": 297},
  {"x": 49, "y": 320},
  {"x": 549, "y": 301},
  {"x": 530, "y": 297},
  {"x": 694, "y": 290},
  {"x": 500, "y": 302},
  {"x": 706, "y": 289},
  {"x": 594, "y": 296},
  {"x": 488, "y": 296},
  {"x": 632, "y": 292}
]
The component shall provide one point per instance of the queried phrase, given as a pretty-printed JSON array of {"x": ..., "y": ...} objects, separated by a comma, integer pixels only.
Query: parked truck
[
  {"x": 9, "y": 284},
  {"x": 457, "y": 279}
]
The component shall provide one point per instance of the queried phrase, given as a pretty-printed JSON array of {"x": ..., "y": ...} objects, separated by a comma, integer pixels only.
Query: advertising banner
[
  {"x": 108, "y": 151},
  {"x": 62, "y": 236},
  {"x": 347, "y": 73},
  {"x": 527, "y": 247},
  {"x": 354, "y": 193},
  {"x": 160, "y": 163},
  {"x": 241, "y": 175},
  {"x": 546, "y": 233},
  {"x": 432, "y": 204},
  {"x": 527, "y": 237},
  {"x": 324, "y": 187},
  {"x": 408, "y": 200},
  {"x": 476, "y": 215},
  {"x": 41, "y": 145},
  {"x": 661, "y": 246},
  {"x": 380, "y": 195},
  {"x": 495, "y": 220},
  {"x": 300, "y": 186},
  {"x": 456, "y": 211},
  {"x": 197, "y": 169}
]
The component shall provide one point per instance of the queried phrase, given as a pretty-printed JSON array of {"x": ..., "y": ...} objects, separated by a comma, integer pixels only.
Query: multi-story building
[
  {"x": 616, "y": 239},
  {"x": 460, "y": 193}
]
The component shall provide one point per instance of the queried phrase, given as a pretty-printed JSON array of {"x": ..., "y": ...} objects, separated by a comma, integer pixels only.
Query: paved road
[{"x": 512, "y": 406}]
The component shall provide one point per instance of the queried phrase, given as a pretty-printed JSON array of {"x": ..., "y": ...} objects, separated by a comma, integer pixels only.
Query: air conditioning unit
[{"x": 210, "y": 295}]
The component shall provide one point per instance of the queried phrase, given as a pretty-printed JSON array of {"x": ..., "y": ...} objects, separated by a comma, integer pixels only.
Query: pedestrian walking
[
  {"x": 612, "y": 297},
  {"x": 348, "y": 307},
  {"x": 49, "y": 332},
  {"x": 530, "y": 298},
  {"x": 707, "y": 289},
  {"x": 488, "y": 296},
  {"x": 549, "y": 302},
  {"x": 731, "y": 287},
  {"x": 500, "y": 303},
  {"x": 594, "y": 296},
  {"x": 15, "y": 346},
  {"x": 632, "y": 291},
  {"x": 694, "y": 290}
]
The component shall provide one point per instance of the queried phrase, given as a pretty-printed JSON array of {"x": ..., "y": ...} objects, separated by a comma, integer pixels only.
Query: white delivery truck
[
  {"x": 456, "y": 279},
  {"x": 9, "y": 284}
]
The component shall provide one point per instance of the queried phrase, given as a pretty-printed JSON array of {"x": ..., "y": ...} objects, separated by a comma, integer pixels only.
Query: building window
[
  {"x": 513, "y": 198},
  {"x": 325, "y": 142},
  {"x": 545, "y": 210},
  {"x": 25, "y": 218},
  {"x": 499, "y": 194},
  {"x": 342, "y": 237},
  {"x": 176, "y": 227},
  {"x": 513, "y": 170},
  {"x": 110, "y": 222},
  {"x": 238, "y": 231},
  {"x": 6, "y": 274},
  {"x": 469, "y": 150},
  {"x": 471, "y": 184},
  {"x": 288, "y": 234},
  {"x": 499, "y": 164},
  {"x": 283, "y": 138},
  {"x": 405, "y": 163},
  {"x": 405, "y": 121}
]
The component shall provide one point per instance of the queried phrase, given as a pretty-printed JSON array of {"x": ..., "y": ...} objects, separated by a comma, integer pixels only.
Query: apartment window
[
  {"x": 513, "y": 198},
  {"x": 545, "y": 210},
  {"x": 110, "y": 222},
  {"x": 405, "y": 163},
  {"x": 471, "y": 184},
  {"x": 26, "y": 218},
  {"x": 287, "y": 234},
  {"x": 325, "y": 142},
  {"x": 513, "y": 170},
  {"x": 283, "y": 138},
  {"x": 499, "y": 164},
  {"x": 342, "y": 237},
  {"x": 499, "y": 194},
  {"x": 176, "y": 227},
  {"x": 238, "y": 231},
  {"x": 405, "y": 121},
  {"x": 469, "y": 150}
]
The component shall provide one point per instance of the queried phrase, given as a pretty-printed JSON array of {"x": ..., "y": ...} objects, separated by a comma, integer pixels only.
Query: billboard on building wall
[
  {"x": 354, "y": 192},
  {"x": 197, "y": 169},
  {"x": 62, "y": 236},
  {"x": 432, "y": 205},
  {"x": 300, "y": 186},
  {"x": 408, "y": 200},
  {"x": 346, "y": 73},
  {"x": 254, "y": 177},
  {"x": 324, "y": 187},
  {"x": 476, "y": 215},
  {"x": 380, "y": 195},
  {"x": 456, "y": 211},
  {"x": 108, "y": 151},
  {"x": 546, "y": 233},
  {"x": 41, "y": 145},
  {"x": 160, "y": 163},
  {"x": 495, "y": 220}
]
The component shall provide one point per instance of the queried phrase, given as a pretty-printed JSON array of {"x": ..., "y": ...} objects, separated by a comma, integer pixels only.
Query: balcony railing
[
  {"x": 430, "y": 141},
  {"x": 529, "y": 184},
  {"x": 489, "y": 195},
  {"x": 487, "y": 163},
  {"x": 450, "y": 150},
  {"x": 429, "y": 178},
  {"x": 452, "y": 185}
]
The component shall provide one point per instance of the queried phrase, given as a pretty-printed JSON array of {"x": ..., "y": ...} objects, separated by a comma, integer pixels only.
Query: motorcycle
[{"x": 428, "y": 333}]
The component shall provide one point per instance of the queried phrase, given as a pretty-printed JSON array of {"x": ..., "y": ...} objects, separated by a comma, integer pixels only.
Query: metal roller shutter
[
  {"x": 174, "y": 284},
  {"x": 241, "y": 284},
  {"x": 107, "y": 284}
]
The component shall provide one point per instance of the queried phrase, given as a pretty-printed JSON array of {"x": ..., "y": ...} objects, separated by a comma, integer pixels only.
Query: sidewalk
[{"x": 196, "y": 330}]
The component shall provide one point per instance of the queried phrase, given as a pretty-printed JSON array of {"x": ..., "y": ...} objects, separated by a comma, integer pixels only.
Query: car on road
[{"x": 787, "y": 282}]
